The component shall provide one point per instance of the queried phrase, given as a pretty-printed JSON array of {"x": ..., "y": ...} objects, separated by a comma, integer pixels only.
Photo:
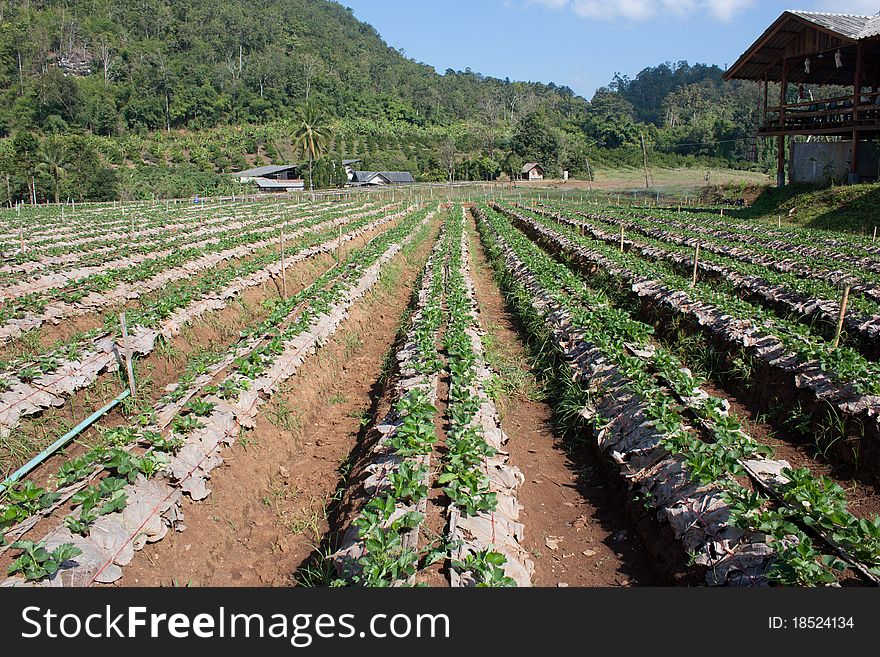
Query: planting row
[
  {"x": 137, "y": 492},
  {"x": 70, "y": 285},
  {"x": 32, "y": 386},
  {"x": 30, "y": 311},
  {"x": 402, "y": 463},
  {"x": 840, "y": 376},
  {"x": 785, "y": 259},
  {"x": 678, "y": 447},
  {"x": 814, "y": 303}
]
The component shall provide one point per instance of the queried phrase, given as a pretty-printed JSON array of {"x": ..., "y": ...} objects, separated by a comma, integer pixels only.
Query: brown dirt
[
  {"x": 575, "y": 528},
  {"x": 269, "y": 503},
  {"x": 436, "y": 523}
]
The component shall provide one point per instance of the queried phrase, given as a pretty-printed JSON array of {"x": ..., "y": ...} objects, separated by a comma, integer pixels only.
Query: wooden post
[
  {"x": 20, "y": 230},
  {"x": 874, "y": 239},
  {"x": 283, "y": 267},
  {"x": 840, "y": 317},
  {"x": 779, "y": 221},
  {"x": 128, "y": 366},
  {"x": 644, "y": 159},
  {"x": 696, "y": 265},
  {"x": 339, "y": 246},
  {"x": 857, "y": 99},
  {"x": 766, "y": 93},
  {"x": 621, "y": 237},
  {"x": 780, "y": 146}
]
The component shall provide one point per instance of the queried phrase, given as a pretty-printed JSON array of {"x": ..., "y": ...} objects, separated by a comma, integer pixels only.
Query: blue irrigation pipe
[{"x": 61, "y": 442}]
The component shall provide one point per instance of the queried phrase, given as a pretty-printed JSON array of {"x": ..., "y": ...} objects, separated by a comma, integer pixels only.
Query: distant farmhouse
[
  {"x": 533, "y": 171},
  {"x": 371, "y": 178},
  {"x": 273, "y": 178},
  {"x": 287, "y": 177}
]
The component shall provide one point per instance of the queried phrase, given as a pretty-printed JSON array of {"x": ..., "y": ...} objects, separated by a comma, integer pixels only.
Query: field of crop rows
[{"x": 372, "y": 392}]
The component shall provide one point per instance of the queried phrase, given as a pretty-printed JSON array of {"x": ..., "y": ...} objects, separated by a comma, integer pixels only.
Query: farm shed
[
  {"x": 360, "y": 178},
  {"x": 813, "y": 48},
  {"x": 269, "y": 172},
  {"x": 270, "y": 185},
  {"x": 533, "y": 171}
]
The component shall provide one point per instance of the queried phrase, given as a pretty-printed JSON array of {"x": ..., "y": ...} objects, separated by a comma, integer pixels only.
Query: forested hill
[
  {"x": 111, "y": 66},
  {"x": 116, "y": 98}
]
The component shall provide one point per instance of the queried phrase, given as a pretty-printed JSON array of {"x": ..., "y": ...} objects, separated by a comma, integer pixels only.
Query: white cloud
[{"x": 640, "y": 10}]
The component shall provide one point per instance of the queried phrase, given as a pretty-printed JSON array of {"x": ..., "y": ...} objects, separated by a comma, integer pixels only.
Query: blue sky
[{"x": 579, "y": 43}]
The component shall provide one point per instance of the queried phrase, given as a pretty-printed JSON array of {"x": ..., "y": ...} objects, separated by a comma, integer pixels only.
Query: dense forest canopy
[{"x": 130, "y": 82}]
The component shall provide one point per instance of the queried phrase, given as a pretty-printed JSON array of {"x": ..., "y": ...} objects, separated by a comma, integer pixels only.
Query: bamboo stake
[
  {"x": 696, "y": 265},
  {"x": 283, "y": 268},
  {"x": 841, "y": 317},
  {"x": 339, "y": 246},
  {"x": 779, "y": 221},
  {"x": 621, "y": 237},
  {"x": 874, "y": 239},
  {"x": 128, "y": 366}
]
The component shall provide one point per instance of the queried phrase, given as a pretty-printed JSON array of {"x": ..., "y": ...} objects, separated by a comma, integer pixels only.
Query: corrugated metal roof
[
  {"x": 872, "y": 28},
  {"x": 848, "y": 25},
  {"x": 529, "y": 166},
  {"x": 268, "y": 183},
  {"x": 397, "y": 176},
  {"x": 765, "y": 55},
  {"x": 267, "y": 170},
  {"x": 391, "y": 177},
  {"x": 345, "y": 163}
]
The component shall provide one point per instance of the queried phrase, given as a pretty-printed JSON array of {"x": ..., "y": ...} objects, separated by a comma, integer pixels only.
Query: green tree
[
  {"x": 311, "y": 134},
  {"x": 52, "y": 160},
  {"x": 537, "y": 142}
]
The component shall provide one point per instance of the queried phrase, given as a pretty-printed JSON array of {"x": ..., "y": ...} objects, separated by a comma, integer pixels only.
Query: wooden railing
[{"x": 826, "y": 113}]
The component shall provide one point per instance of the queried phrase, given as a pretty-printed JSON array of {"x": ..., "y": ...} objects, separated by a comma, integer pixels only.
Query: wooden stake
[
  {"x": 841, "y": 317},
  {"x": 779, "y": 221},
  {"x": 621, "y": 237},
  {"x": 696, "y": 265},
  {"x": 128, "y": 366},
  {"x": 874, "y": 239},
  {"x": 339, "y": 246},
  {"x": 283, "y": 268}
]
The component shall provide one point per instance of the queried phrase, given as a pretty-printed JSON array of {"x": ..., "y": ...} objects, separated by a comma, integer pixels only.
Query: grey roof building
[
  {"x": 382, "y": 178},
  {"x": 269, "y": 171}
]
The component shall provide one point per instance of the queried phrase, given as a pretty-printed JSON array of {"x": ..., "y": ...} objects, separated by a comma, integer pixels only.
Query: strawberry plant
[
  {"x": 487, "y": 569},
  {"x": 36, "y": 562}
]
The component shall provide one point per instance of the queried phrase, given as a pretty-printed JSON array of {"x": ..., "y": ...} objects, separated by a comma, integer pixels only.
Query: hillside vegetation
[{"x": 212, "y": 86}]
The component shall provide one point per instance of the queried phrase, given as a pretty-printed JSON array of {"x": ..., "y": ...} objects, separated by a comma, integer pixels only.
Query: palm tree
[
  {"x": 52, "y": 159},
  {"x": 312, "y": 134}
]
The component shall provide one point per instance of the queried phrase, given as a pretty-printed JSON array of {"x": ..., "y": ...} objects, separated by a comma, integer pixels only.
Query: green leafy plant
[{"x": 36, "y": 562}]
